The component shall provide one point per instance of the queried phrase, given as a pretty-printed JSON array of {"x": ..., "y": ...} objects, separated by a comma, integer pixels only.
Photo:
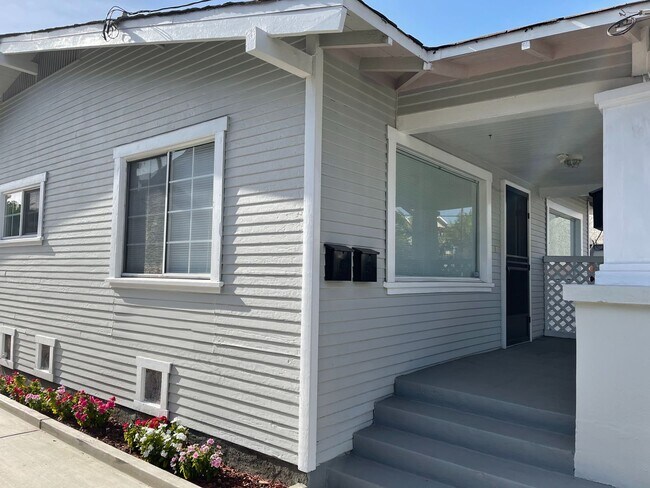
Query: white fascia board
[
  {"x": 586, "y": 21},
  {"x": 281, "y": 19},
  {"x": 554, "y": 100},
  {"x": 377, "y": 22}
]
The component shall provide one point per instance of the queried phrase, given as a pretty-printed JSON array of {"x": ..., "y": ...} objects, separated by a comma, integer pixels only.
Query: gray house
[{"x": 275, "y": 220}]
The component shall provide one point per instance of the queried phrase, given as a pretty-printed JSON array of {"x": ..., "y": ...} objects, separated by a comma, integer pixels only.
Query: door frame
[{"x": 504, "y": 274}]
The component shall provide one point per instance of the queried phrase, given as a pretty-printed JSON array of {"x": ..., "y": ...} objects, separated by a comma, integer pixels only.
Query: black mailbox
[
  {"x": 338, "y": 262},
  {"x": 365, "y": 264}
]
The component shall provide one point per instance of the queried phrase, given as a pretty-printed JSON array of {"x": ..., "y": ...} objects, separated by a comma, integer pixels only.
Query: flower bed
[{"x": 156, "y": 440}]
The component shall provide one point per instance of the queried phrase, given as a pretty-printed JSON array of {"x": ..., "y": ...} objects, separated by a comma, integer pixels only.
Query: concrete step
[
  {"x": 546, "y": 449},
  {"x": 455, "y": 465},
  {"x": 356, "y": 472},
  {"x": 407, "y": 387}
]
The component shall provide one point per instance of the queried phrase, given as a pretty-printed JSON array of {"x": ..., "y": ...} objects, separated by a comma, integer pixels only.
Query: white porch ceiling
[{"x": 527, "y": 148}]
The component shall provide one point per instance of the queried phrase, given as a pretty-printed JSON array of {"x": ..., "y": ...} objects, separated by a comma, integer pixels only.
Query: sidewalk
[{"x": 30, "y": 458}]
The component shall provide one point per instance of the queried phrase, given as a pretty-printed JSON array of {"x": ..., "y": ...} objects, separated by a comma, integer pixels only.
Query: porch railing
[{"x": 560, "y": 318}]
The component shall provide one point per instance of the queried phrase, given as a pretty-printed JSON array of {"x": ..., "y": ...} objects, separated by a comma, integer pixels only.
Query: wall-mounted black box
[
  {"x": 365, "y": 264},
  {"x": 597, "y": 203},
  {"x": 338, "y": 262}
]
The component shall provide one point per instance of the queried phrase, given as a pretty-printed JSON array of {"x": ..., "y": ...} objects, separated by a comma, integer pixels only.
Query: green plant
[
  {"x": 156, "y": 440},
  {"x": 198, "y": 462}
]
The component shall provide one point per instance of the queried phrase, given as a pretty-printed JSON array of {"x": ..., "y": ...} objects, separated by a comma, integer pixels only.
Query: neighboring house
[{"x": 168, "y": 194}]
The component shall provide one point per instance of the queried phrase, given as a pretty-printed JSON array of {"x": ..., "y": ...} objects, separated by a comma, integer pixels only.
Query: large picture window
[
  {"x": 168, "y": 210},
  {"x": 439, "y": 211},
  {"x": 436, "y": 231}
]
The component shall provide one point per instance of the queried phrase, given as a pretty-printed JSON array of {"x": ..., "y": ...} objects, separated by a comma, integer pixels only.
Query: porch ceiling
[{"x": 527, "y": 147}]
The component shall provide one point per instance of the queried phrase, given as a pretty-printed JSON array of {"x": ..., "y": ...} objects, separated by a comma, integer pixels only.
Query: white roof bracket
[
  {"x": 278, "y": 53},
  {"x": 19, "y": 63}
]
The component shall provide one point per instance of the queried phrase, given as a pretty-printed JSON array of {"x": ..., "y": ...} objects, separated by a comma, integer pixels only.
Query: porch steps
[{"x": 432, "y": 436}]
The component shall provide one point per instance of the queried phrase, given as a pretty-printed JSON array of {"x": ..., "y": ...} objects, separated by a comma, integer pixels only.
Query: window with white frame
[
  {"x": 7, "y": 346},
  {"x": 168, "y": 210},
  {"x": 44, "y": 358},
  {"x": 438, "y": 220},
  {"x": 564, "y": 231},
  {"x": 152, "y": 386},
  {"x": 21, "y": 210}
]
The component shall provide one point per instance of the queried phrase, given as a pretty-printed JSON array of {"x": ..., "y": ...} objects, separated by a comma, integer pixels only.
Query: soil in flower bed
[{"x": 228, "y": 478}]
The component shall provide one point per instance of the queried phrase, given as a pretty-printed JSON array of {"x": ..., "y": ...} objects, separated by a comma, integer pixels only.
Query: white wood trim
[
  {"x": 398, "y": 139},
  {"x": 513, "y": 107},
  {"x": 19, "y": 63},
  {"x": 414, "y": 287},
  {"x": 41, "y": 341},
  {"x": 155, "y": 409},
  {"x": 355, "y": 39},
  {"x": 538, "y": 49},
  {"x": 28, "y": 183},
  {"x": 210, "y": 131},
  {"x": 284, "y": 18},
  {"x": 504, "y": 273},
  {"x": 278, "y": 53},
  {"x": 567, "y": 212},
  {"x": 166, "y": 284},
  {"x": 311, "y": 264},
  {"x": 10, "y": 331}
]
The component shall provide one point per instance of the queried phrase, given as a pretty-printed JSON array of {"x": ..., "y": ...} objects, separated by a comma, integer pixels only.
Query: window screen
[
  {"x": 169, "y": 215},
  {"x": 44, "y": 358},
  {"x": 6, "y": 347},
  {"x": 563, "y": 235},
  {"x": 152, "y": 386},
  {"x": 436, "y": 232}
]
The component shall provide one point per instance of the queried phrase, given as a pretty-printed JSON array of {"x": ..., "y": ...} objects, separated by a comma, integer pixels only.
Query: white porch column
[{"x": 613, "y": 316}]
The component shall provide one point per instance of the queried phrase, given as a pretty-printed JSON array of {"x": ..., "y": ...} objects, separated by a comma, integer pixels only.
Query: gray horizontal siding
[
  {"x": 599, "y": 65},
  {"x": 235, "y": 355},
  {"x": 367, "y": 337}
]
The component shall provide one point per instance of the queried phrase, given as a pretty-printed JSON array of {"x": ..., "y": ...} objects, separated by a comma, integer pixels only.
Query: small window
[
  {"x": 152, "y": 386},
  {"x": 168, "y": 209},
  {"x": 564, "y": 228},
  {"x": 44, "y": 359},
  {"x": 7, "y": 340},
  {"x": 21, "y": 210}
]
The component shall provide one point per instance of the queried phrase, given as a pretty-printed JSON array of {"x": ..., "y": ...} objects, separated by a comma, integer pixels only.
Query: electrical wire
[
  {"x": 111, "y": 29},
  {"x": 626, "y": 24}
]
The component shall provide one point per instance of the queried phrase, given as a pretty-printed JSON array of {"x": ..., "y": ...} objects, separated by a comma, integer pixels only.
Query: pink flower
[
  {"x": 215, "y": 461},
  {"x": 205, "y": 449},
  {"x": 210, "y": 442},
  {"x": 195, "y": 455}
]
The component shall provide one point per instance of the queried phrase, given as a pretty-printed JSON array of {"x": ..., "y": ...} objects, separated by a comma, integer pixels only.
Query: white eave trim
[
  {"x": 528, "y": 33},
  {"x": 284, "y": 18}
]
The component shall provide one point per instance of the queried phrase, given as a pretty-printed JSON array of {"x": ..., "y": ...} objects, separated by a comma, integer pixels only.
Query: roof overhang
[{"x": 284, "y": 18}]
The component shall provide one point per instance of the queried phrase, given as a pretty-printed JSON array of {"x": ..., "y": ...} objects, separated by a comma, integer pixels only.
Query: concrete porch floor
[{"x": 539, "y": 374}]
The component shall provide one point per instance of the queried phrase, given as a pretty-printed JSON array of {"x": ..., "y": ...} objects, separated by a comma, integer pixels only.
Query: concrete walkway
[{"x": 30, "y": 458}]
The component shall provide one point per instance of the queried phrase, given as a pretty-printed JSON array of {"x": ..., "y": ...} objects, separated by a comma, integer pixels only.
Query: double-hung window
[
  {"x": 21, "y": 211},
  {"x": 167, "y": 210},
  {"x": 438, "y": 235},
  {"x": 564, "y": 231}
]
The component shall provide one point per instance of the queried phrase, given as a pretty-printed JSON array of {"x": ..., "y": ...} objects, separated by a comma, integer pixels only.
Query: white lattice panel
[{"x": 560, "y": 314}]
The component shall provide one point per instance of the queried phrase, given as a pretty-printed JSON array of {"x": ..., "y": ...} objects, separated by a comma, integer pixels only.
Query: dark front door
[{"x": 517, "y": 267}]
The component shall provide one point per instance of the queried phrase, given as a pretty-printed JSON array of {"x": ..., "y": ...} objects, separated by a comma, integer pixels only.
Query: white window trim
[
  {"x": 395, "y": 285},
  {"x": 206, "y": 132},
  {"x": 41, "y": 341},
  {"x": 566, "y": 212},
  {"x": 10, "y": 331},
  {"x": 139, "y": 404},
  {"x": 29, "y": 183}
]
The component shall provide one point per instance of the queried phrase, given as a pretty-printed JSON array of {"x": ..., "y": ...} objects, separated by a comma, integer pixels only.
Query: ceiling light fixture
[{"x": 570, "y": 160}]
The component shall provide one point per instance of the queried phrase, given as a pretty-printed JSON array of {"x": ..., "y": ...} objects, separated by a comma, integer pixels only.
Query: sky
[{"x": 434, "y": 22}]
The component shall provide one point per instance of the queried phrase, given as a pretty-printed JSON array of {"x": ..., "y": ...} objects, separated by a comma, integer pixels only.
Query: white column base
[
  {"x": 612, "y": 384},
  {"x": 626, "y": 274}
]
